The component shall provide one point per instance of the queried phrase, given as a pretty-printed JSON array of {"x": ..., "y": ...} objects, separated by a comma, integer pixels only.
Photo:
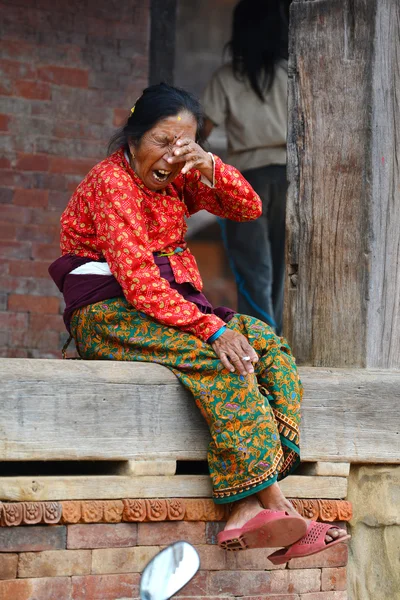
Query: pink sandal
[
  {"x": 312, "y": 543},
  {"x": 269, "y": 529}
]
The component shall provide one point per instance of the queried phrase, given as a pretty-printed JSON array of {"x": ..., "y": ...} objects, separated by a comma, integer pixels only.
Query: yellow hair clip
[{"x": 133, "y": 109}]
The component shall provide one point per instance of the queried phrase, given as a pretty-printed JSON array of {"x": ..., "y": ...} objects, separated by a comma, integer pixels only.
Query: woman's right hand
[{"x": 232, "y": 348}]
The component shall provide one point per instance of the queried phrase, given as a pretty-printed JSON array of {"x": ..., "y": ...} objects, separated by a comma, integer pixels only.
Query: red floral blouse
[{"x": 113, "y": 216}]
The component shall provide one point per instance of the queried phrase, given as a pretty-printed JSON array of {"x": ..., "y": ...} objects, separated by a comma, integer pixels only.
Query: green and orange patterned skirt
[{"x": 254, "y": 420}]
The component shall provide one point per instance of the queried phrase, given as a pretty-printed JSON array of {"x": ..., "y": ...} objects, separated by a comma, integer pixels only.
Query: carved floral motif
[
  {"x": 32, "y": 512},
  {"x": 113, "y": 510},
  {"x": 310, "y": 509},
  {"x": 92, "y": 511},
  {"x": 71, "y": 511},
  {"x": 134, "y": 510},
  {"x": 12, "y": 514},
  {"x": 176, "y": 509},
  {"x": 51, "y": 512},
  {"x": 156, "y": 510},
  {"x": 138, "y": 510}
]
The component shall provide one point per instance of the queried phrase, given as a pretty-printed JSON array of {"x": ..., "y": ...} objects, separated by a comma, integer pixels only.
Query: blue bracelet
[{"x": 216, "y": 335}]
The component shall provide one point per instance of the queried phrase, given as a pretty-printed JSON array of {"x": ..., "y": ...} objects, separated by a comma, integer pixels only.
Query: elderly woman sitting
[{"x": 133, "y": 292}]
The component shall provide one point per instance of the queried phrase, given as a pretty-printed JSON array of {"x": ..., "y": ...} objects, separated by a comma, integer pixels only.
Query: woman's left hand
[{"x": 187, "y": 151}]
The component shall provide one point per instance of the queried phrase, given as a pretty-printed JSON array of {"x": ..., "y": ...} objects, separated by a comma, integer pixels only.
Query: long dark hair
[
  {"x": 156, "y": 103},
  {"x": 259, "y": 40}
]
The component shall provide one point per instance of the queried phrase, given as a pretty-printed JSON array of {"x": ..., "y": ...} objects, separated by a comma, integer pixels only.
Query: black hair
[
  {"x": 260, "y": 30},
  {"x": 156, "y": 103}
]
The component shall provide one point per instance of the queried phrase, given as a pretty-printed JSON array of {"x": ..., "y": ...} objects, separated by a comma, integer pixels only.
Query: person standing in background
[{"x": 249, "y": 96}]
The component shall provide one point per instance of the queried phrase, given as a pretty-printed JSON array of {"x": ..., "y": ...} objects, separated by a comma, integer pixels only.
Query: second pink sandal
[{"x": 312, "y": 543}]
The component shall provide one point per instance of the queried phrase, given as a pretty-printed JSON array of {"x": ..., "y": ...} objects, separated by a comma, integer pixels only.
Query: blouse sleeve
[
  {"x": 231, "y": 197},
  {"x": 121, "y": 231}
]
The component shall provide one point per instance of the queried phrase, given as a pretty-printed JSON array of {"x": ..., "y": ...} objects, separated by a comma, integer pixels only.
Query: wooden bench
[{"x": 138, "y": 416}]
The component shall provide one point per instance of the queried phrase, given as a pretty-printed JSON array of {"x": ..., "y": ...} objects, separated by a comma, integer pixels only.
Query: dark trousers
[{"x": 256, "y": 249}]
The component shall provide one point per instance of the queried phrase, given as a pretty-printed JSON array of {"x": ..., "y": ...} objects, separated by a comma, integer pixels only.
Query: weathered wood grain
[
  {"x": 383, "y": 318},
  {"x": 343, "y": 287},
  {"x": 84, "y": 410},
  {"x": 181, "y": 486}
]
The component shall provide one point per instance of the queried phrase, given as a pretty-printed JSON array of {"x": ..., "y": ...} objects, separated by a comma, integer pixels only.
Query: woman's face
[{"x": 156, "y": 146}]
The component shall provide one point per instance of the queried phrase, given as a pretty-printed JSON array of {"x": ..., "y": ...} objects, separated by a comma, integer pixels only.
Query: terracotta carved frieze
[{"x": 136, "y": 510}]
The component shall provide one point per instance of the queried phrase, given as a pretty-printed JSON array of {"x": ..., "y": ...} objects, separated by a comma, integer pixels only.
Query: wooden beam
[
  {"x": 108, "y": 410},
  {"x": 326, "y": 469},
  {"x": 29, "y": 489},
  {"x": 342, "y": 296}
]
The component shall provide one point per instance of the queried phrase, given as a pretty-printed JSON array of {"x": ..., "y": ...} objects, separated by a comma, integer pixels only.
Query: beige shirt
[{"x": 256, "y": 130}]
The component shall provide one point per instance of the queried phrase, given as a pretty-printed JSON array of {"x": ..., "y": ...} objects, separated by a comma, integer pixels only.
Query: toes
[{"x": 334, "y": 534}]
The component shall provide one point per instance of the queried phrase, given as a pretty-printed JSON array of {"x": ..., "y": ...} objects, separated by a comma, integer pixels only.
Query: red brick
[
  {"x": 212, "y": 530},
  {"x": 46, "y": 217},
  {"x": 4, "y": 267},
  {"x": 334, "y": 557},
  {"x": 6, "y": 196},
  {"x": 101, "y": 535},
  {"x": 37, "y": 90},
  {"x": 31, "y": 198},
  {"x": 28, "y": 268},
  {"x": 38, "y": 233},
  {"x": 15, "y": 214},
  {"x": 32, "y": 162},
  {"x": 45, "y": 251},
  {"x": 212, "y": 558},
  {"x": 5, "y": 163},
  {"x": 122, "y": 560},
  {"x": 54, "y": 563},
  {"x": 153, "y": 534},
  {"x": 27, "y": 285},
  {"x": 105, "y": 587},
  {"x": 42, "y": 340},
  {"x": 14, "y": 353},
  {"x": 250, "y": 583},
  {"x": 10, "y": 320},
  {"x": 36, "y": 589},
  {"x": 8, "y": 566},
  {"x": 4, "y": 121},
  {"x": 120, "y": 116},
  {"x": 15, "y": 250},
  {"x": 58, "y": 200},
  {"x": 7, "y": 231},
  {"x": 35, "y": 304},
  {"x": 274, "y": 597},
  {"x": 17, "y": 69},
  {"x": 325, "y": 596},
  {"x": 38, "y": 322},
  {"x": 334, "y": 579},
  {"x": 197, "y": 586},
  {"x": 64, "y": 76},
  {"x": 32, "y": 539},
  {"x": 251, "y": 560},
  {"x": 60, "y": 164}
]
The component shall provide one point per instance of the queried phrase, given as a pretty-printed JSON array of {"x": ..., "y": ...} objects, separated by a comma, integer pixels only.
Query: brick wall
[
  {"x": 68, "y": 73},
  {"x": 104, "y": 561}
]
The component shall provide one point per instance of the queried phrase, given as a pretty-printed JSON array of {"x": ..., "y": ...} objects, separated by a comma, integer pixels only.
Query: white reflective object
[{"x": 169, "y": 572}]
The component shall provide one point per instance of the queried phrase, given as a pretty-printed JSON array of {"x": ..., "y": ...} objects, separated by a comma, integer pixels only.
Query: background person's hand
[
  {"x": 231, "y": 347},
  {"x": 187, "y": 151}
]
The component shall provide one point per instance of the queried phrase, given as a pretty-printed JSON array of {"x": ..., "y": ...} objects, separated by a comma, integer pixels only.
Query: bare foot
[
  {"x": 273, "y": 498},
  {"x": 242, "y": 511}
]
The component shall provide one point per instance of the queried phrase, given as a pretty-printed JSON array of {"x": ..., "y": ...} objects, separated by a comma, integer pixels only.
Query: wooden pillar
[
  {"x": 162, "y": 41},
  {"x": 342, "y": 303}
]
